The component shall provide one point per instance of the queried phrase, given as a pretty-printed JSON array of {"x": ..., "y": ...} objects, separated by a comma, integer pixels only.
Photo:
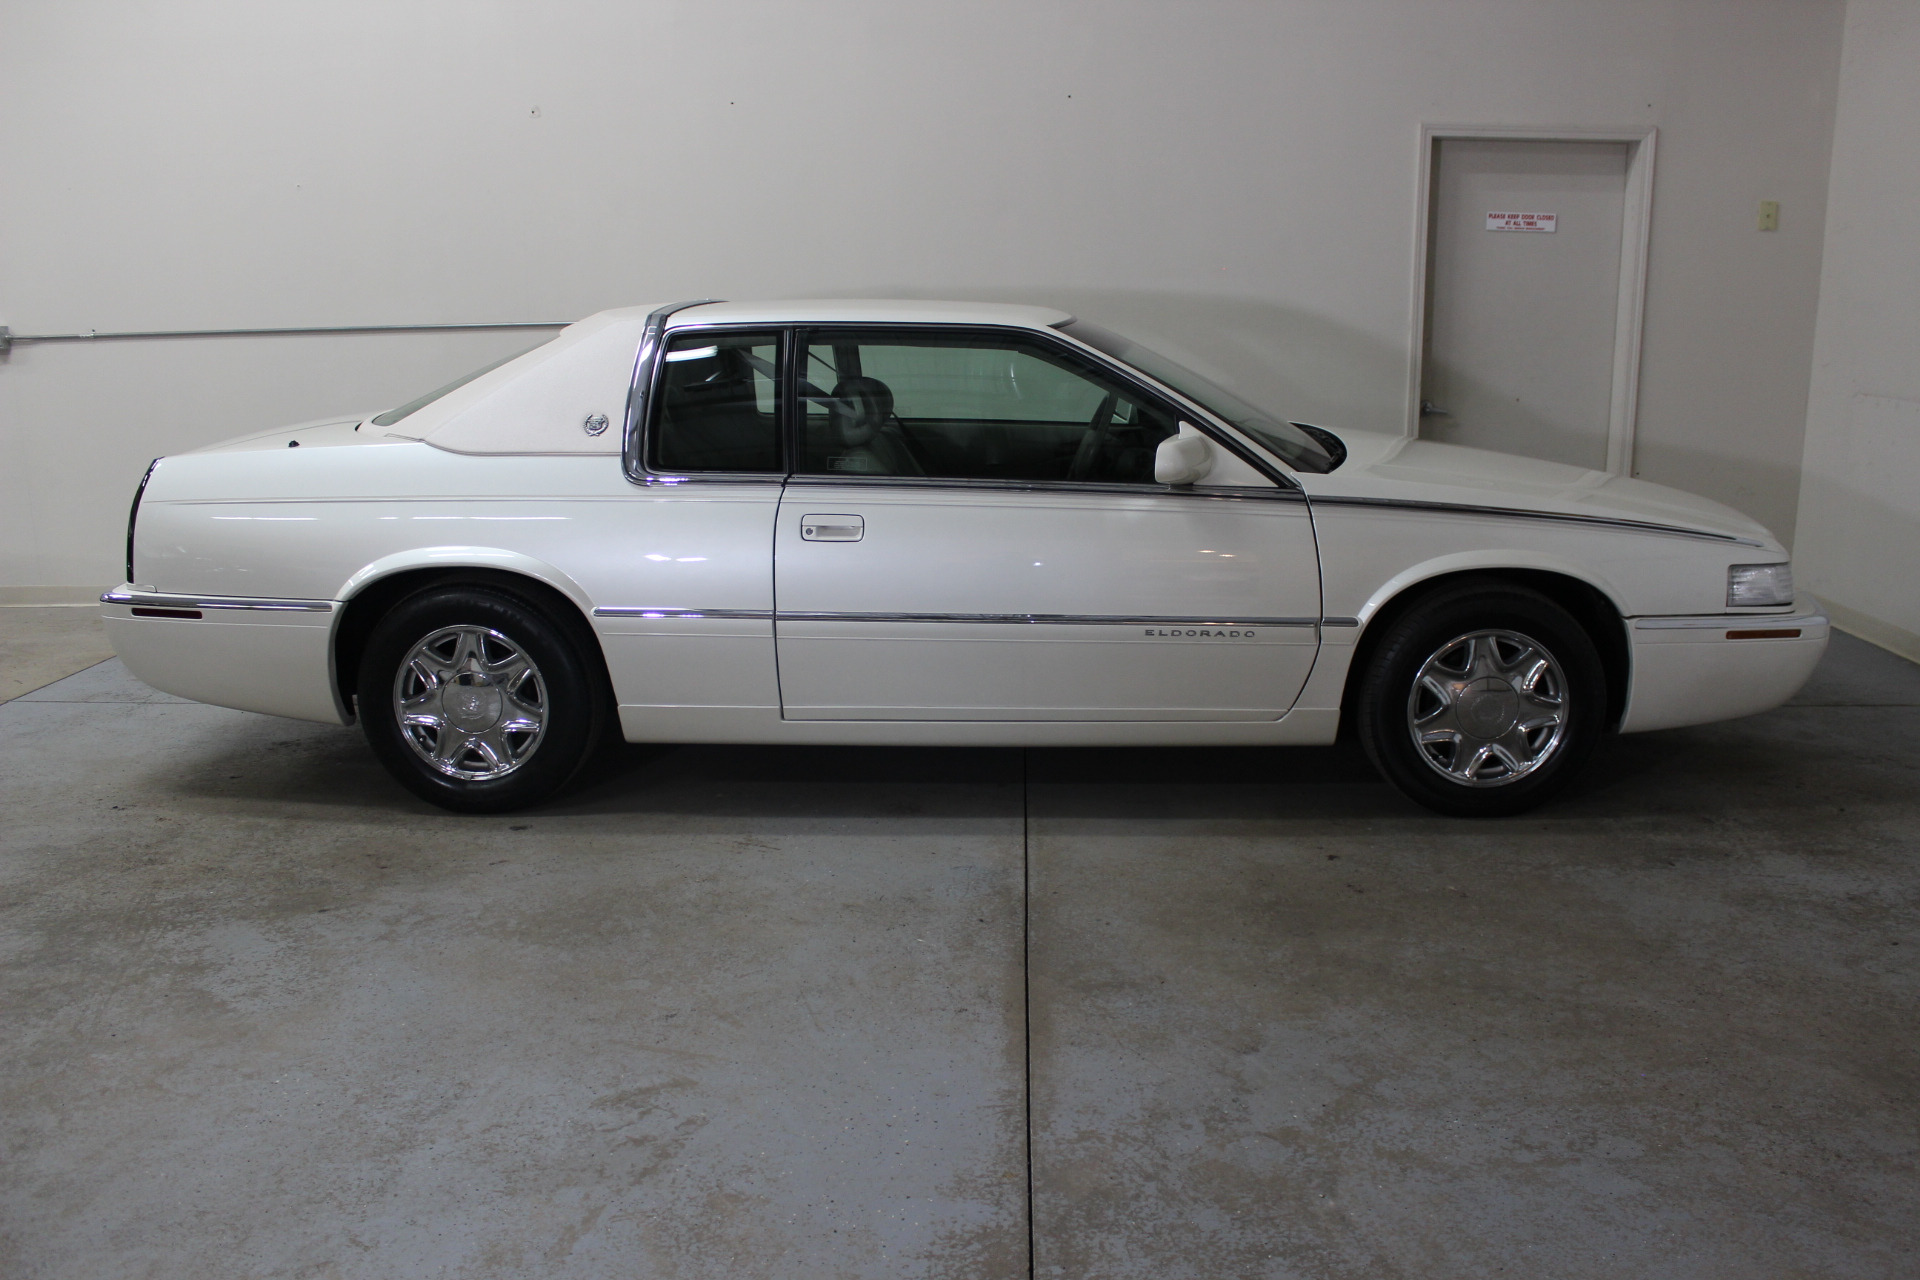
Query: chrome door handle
[{"x": 832, "y": 528}]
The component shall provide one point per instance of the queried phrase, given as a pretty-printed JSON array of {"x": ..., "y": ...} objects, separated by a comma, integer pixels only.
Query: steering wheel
[{"x": 1087, "y": 457}]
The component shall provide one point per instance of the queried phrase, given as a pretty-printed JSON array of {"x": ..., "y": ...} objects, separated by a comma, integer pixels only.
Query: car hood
[{"x": 1398, "y": 469}]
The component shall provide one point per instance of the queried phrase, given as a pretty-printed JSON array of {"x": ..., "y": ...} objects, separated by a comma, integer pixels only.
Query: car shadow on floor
[
  {"x": 1761, "y": 762},
  {"x": 1835, "y": 745}
]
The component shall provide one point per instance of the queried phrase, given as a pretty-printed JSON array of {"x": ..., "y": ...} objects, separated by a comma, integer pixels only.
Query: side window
[
  {"x": 717, "y": 408},
  {"x": 964, "y": 407}
]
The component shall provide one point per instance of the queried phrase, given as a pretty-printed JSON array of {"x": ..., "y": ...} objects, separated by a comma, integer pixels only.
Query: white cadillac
[{"x": 928, "y": 523}]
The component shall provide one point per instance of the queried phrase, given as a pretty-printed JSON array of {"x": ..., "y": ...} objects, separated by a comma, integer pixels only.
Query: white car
[{"x": 912, "y": 523}]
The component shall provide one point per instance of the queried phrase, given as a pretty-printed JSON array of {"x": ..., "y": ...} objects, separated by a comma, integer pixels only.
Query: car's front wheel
[
  {"x": 476, "y": 701},
  {"x": 1482, "y": 700}
]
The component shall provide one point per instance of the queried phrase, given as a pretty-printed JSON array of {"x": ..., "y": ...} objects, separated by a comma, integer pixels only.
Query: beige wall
[
  {"x": 1859, "y": 545},
  {"x": 1235, "y": 178}
]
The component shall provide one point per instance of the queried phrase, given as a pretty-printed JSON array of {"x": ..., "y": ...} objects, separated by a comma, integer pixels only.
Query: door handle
[{"x": 832, "y": 528}]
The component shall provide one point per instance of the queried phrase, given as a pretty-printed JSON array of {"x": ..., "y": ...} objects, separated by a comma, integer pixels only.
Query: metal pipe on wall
[{"x": 8, "y": 337}]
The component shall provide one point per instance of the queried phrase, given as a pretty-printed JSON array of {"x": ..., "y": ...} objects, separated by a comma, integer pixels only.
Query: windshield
[
  {"x": 392, "y": 416},
  {"x": 1292, "y": 445}
]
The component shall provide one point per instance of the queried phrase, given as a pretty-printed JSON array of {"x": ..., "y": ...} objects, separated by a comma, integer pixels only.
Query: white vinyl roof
[{"x": 540, "y": 402}]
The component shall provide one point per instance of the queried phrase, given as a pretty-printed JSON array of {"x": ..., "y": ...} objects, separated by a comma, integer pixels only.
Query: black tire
[
  {"x": 1465, "y": 763},
  {"x": 489, "y": 765}
]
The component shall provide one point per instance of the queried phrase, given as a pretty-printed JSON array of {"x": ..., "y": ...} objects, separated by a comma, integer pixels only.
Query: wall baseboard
[
  {"x": 1869, "y": 628},
  {"x": 49, "y": 595}
]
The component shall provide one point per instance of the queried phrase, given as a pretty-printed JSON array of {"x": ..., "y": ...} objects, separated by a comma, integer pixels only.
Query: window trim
[
  {"x": 644, "y": 406},
  {"x": 795, "y": 336},
  {"x": 1132, "y": 380},
  {"x": 1115, "y": 488}
]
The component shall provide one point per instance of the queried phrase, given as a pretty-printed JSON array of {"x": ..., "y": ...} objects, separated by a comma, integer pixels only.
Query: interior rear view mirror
[{"x": 1183, "y": 457}]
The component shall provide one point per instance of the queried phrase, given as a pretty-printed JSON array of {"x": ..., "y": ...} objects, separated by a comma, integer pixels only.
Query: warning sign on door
[{"x": 1522, "y": 221}]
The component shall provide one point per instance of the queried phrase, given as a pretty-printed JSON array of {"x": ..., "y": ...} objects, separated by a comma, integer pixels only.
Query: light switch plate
[{"x": 1769, "y": 215}]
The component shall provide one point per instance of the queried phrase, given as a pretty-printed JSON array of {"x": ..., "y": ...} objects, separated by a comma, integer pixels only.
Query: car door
[{"x": 972, "y": 532}]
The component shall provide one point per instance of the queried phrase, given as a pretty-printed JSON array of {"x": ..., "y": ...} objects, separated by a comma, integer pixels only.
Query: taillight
[{"x": 133, "y": 515}]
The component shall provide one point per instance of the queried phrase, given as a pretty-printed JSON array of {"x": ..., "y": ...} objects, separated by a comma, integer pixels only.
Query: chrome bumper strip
[
  {"x": 153, "y": 600},
  {"x": 1715, "y": 622}
]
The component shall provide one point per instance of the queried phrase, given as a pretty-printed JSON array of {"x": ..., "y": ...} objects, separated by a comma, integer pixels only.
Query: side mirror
[{"x": 1183, "y": 457}]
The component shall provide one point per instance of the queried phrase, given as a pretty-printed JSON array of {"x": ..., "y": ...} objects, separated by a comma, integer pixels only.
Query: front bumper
[{"x": 1697, "y": 670}]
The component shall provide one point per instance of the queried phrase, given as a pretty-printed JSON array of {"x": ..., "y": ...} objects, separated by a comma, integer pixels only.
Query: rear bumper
[
  {"x": 1719, "y": 666},
  {"x": 252, "y": 654}
]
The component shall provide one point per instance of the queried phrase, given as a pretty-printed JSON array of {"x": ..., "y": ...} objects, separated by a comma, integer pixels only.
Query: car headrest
[{"x": 860, "y": 407}]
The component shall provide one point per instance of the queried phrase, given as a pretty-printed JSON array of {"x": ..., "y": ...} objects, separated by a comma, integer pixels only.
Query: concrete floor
[
  {"x": 41, "y": 643},
  {"x": 752, "y": 1012}
]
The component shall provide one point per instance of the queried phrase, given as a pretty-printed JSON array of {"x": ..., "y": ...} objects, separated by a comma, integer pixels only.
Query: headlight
[{"x": 1752, "y": 585}]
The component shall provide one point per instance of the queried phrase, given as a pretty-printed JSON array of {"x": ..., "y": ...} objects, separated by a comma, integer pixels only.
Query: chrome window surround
[
  {"x": 1130, "y": 378},
  {"x": 644, "y": 395},
  {"x": 646, "y": 364},
  {"x": 156, "y": 600},
  {"x": 647, "y": 371},
  {"x": 1225, "y": 493}
]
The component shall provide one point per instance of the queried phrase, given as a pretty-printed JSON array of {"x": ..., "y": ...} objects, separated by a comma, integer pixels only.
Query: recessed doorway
[{"x": 1532, "y": 269}]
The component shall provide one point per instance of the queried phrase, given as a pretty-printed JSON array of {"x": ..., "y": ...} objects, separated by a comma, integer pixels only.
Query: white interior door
[{"x": 1524, "y": 296}]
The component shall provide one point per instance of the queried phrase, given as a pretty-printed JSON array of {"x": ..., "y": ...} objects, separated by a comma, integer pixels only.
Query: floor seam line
[{"x": 1026, "y": 983}]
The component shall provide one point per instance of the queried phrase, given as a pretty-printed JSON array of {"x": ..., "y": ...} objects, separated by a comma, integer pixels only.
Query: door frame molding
[{"x": 1629, "y": 315}]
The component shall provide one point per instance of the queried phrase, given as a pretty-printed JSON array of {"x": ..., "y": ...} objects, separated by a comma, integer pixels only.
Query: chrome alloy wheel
[
  {"x": 1488, "y": 708},
  {"x": 470, "y": 703}
]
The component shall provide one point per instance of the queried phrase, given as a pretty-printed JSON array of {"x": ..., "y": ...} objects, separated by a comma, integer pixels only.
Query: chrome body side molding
[
  {"x": 1028, "y": 619},
  {"x": 1016, "y": 619},
  {"x": 155, "y": 600},
  {"x": 646, "y": 611}
]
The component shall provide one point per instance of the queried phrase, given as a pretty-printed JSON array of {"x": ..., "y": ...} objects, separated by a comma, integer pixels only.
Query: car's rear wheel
[
  {"x": 1482, "y": 700},
  {"x": 477, "y": 701}
]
